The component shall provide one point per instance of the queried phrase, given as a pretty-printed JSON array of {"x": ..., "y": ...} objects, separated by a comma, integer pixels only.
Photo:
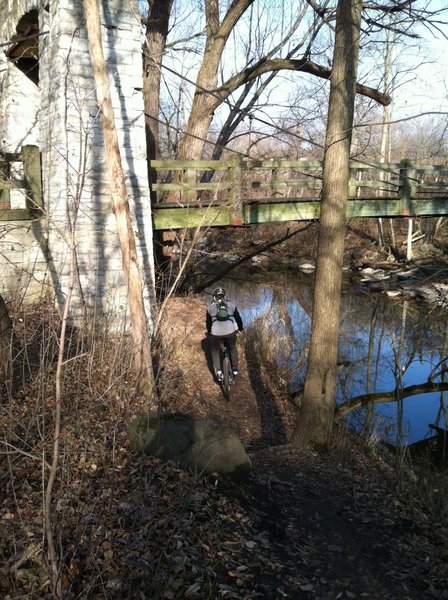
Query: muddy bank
[{"x": 294, "y": 246}]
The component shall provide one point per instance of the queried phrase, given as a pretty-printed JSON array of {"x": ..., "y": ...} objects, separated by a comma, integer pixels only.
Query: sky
[
  {"x": 425, "y": 87},
  {"x": 423, "y": 63}
]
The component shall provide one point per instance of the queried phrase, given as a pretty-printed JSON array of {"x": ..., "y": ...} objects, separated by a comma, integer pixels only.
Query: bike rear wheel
[{"x": 228, "y": 377}]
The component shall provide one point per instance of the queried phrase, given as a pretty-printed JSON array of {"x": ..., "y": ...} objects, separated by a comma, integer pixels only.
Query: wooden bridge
[
  {"x": 241, "y": 192},
  {"x": 20, "y": 185}
]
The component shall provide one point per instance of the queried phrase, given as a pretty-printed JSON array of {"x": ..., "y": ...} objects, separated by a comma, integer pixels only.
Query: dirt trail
[
  {"x": 254, "y": 412},
  {"x": 335, "y": 521}
]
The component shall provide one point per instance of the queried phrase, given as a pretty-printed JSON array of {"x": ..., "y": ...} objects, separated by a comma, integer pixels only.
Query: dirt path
[
  {"x": 335, "y": 523},
  {"x": 255, "y": 413}
]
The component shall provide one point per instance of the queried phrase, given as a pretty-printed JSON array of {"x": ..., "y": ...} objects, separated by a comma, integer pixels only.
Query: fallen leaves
[{"x": 134, "y": 527}]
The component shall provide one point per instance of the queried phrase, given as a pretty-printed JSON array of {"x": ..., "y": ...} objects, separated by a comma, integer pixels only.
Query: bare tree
[
  {"x": 139, "y": 322},
  {"x": 210, "y": 92},
  {"x": 209, "y": 96},
  {"x": 315, "y": 420}
]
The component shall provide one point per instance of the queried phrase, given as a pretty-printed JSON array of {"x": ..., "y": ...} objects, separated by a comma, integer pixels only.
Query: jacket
[{"x": 233, "y": 323}]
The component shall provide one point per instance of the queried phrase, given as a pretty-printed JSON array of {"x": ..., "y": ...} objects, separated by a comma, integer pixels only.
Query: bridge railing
[
  {"x": 190, "y": 193},
  {"x": 234, "y": 179},
  {"x": 20, "y": 185}
]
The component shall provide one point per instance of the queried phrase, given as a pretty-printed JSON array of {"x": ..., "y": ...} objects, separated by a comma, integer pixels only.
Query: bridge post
[
  {"x": 353, "y": 190},
  {"x": 190, "y": 180},
  {"x": 275, "y": 192},
  {"x": 407, "y": 186},
  {"x": 32, "y": 174},
  {"x": 235, "y": 186}
]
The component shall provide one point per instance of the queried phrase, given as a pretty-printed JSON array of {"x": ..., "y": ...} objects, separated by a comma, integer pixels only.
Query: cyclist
[{"x": 222, "y": 322}]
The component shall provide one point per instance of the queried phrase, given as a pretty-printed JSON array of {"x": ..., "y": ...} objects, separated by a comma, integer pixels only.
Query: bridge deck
[{"x": 166, "y": 216}]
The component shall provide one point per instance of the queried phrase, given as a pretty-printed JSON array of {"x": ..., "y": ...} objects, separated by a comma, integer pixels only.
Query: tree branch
[
  {"x": 259, "y": 250},
  {"x": 381, "y": 397},
  {"x": 389, "y": 8},
  {"x": 302, "y": 65}
]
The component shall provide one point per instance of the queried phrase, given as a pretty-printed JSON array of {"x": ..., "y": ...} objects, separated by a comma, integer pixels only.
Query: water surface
[{"x": 385, "y": 345}]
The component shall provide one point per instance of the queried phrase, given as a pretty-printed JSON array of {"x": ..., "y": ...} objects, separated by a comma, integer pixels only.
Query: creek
[{"x": 385, "y": 345}]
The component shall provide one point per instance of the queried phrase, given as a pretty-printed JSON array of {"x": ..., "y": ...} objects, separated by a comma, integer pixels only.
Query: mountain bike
[{"x": 227, "y": 371}]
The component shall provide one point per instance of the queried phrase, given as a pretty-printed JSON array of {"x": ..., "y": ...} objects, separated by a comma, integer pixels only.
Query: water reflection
[{"x": 385, "y": 346}]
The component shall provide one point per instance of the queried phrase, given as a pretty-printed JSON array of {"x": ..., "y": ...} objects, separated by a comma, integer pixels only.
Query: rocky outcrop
[
  {"x": 406, "y": 283},
  {"x": 199, "y": 445}
]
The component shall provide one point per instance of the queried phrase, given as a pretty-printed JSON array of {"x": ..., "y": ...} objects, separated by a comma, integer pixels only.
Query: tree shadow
[{"x": 273, "y": 431}]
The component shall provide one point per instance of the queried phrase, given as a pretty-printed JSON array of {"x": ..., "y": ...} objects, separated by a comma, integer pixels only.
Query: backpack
[{"x": 222, "y": 311}]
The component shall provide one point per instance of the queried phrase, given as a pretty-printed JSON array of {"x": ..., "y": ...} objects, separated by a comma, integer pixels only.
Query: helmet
[{"x": 219, "y": 292}]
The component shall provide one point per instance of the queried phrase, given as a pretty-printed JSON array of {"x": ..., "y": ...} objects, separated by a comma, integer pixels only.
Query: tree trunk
[
  {"x": 205, "y": 98},
  {"x": 385, "y": 150},
  {"x": 139, "y": 323},
  {"x": 156, "y": 34},
  {"x": 6, "y": 332},
  {"x": 315, "y": 420}
]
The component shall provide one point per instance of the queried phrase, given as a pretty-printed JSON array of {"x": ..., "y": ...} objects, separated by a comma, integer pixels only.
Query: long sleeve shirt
[{"x": 216, "y": 327}]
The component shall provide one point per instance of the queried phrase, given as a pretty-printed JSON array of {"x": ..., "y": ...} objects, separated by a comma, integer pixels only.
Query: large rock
[{"x": 199, "y": 445}]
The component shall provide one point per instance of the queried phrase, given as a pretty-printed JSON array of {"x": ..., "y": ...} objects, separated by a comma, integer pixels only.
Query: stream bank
[{"x": 294, "y": 247}]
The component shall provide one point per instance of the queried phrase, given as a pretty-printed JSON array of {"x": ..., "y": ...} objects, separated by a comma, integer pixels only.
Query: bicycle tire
[{"x": 228, "y": 377}]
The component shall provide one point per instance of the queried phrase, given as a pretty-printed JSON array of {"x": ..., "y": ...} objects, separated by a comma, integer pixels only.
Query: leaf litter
[{"x": 304, "y": 526}]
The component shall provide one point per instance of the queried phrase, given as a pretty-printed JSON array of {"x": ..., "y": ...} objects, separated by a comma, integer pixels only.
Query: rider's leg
[
  {"x": 231, "y": 339},
  {"x": 215, "y": 346}
]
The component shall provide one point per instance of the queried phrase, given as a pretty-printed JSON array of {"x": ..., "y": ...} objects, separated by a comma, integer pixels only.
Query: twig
[{"x": 27, "y": 454}]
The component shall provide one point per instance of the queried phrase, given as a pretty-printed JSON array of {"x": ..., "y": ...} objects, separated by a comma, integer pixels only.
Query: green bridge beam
[{"x": 252, "y": 212}]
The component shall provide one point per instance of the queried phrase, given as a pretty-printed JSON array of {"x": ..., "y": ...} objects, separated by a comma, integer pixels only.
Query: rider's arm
[
  {"x": 208, "y": 322},
  {"x": 238, "y": 319}
]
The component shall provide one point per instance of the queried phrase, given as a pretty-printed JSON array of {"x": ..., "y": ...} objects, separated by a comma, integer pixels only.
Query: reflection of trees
[
  {"x": 365, "y": 400},
  {"x": 370, "y": 355},
  {"x": 413, "y": 332},
  {"x": 409, "y": 332},
  {"x": 376, "y": 323},
  {"x": 302, "y": 290},
  {"x": 399, "y": 369},
  {"x": 378, "y": 338},
  {"x": 442, "y": 415},
  {"x": 279, "y": 298}
]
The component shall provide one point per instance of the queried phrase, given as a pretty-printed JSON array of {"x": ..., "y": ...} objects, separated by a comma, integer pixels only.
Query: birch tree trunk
[
  {"x": 118, "y": 192},
  {"x": 386, "y": 127},
  {"x": 315, "y": 419}
]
